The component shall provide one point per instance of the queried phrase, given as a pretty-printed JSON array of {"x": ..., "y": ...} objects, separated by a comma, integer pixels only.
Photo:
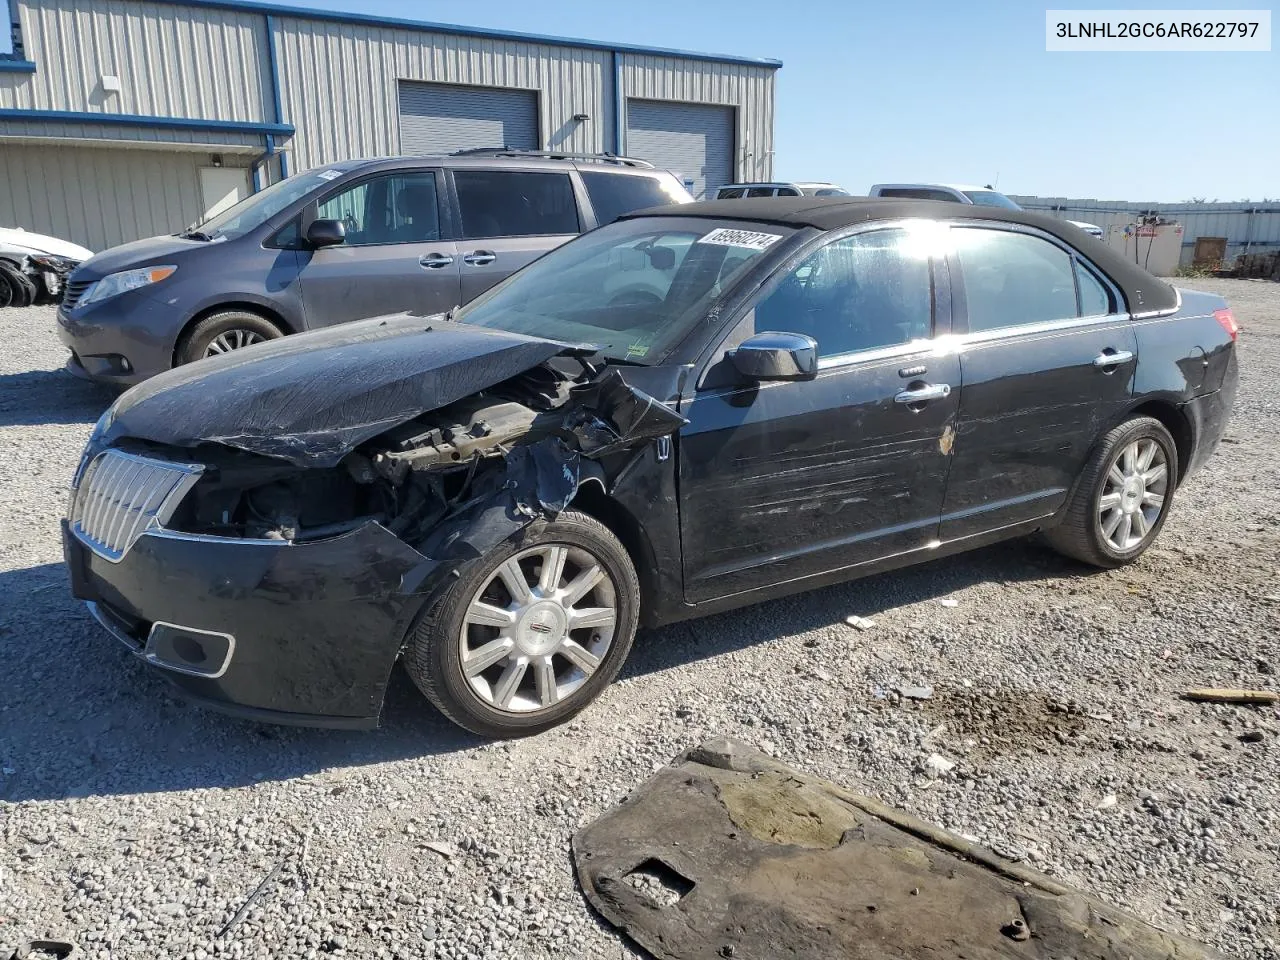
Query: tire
[
  {"x": 434, "y": 655},
  {"x": 1098, "y": 533},
  {"x": 231, "y": 329},
  {"x": 22, "y": 290}
]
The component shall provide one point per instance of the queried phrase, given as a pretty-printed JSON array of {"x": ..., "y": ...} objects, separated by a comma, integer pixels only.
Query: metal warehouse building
[{"x": 122, "y": 119}]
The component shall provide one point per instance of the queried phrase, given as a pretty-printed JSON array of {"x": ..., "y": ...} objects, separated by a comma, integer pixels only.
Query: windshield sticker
[
  {"x": 741, "y": 238},
  {"x": 329, "y": 174},
  {"x": 637, "y": 349}
]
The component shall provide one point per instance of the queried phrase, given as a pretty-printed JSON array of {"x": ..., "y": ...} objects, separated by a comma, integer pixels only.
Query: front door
[
  {"x": 785, "y": 480},
  {"x": 392, "y": 259},
  {"x": 509, "y": 219},
  {"x": 1048, "y": 363}
]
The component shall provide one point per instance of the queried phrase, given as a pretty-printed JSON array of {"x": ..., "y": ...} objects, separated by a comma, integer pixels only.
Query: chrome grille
[
  {"x": 74, "y": 291},
  {"x": 123, "y": 495}
]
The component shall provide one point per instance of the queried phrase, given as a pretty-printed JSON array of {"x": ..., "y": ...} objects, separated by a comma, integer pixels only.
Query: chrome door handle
[
  {"x": 1112, "y": 358},
  {"x": 435, "y": 260},
  {"x": 932, "y": 391},
  {"x": 480, "y": 258}
]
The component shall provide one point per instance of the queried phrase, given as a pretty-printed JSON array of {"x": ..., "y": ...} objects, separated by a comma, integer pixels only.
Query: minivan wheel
[
  {"x": 531, "y": 633},
  {"x": 223, "y": 332},
  {"x": 1123, "y": 496}
]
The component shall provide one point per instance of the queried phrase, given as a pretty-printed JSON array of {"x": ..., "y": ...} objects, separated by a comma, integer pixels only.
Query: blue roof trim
[
  {"x": 140, "y": 120},
  {"x": 311, "y": 13},
  {"x": 17, "y": 66}
]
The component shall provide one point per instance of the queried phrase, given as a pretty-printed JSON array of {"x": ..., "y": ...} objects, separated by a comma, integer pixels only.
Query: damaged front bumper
[{"x": 314, "y": 627}]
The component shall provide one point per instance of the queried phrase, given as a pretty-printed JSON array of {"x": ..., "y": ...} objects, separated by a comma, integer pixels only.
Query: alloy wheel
[
  {"x": 1133, "y": 494},
  {"x": 538, "y": 628},
  {"x": 232, "y": 340}
]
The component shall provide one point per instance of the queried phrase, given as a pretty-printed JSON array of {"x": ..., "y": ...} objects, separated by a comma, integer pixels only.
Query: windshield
[
  {"x": 634, "y": 288},
  {"x": 989, "y": 198},
  {"x": 255, "y": 210}
]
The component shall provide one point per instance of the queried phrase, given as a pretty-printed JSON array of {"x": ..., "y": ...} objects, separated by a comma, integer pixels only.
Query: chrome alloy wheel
[
  {"x": 1133, "y": 495},
  {"x": 232, "y": 340},
  {"x": 538, "y": 628}
]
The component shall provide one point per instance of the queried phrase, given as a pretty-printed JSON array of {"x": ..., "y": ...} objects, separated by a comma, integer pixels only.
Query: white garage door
[
  {"x": 692, "y": 140},
  {"x": 440, "y": 118}
]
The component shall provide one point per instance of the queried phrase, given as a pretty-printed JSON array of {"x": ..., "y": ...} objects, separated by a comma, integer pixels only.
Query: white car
[
  {"x": 962, "y": 193},
  {"x": 33, "y": 265}
]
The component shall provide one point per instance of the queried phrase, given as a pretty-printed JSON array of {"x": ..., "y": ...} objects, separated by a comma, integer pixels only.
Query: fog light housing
[{"x": 199, "y": 653}]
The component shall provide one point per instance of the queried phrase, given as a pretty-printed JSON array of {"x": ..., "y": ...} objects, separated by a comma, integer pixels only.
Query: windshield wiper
[{"x": 196, "y": 235}]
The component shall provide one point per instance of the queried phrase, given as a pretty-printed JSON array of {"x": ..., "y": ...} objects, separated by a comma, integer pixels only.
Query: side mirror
[
  {"x": 777, "y": 356},
  {"x": 326, "y": 233}
]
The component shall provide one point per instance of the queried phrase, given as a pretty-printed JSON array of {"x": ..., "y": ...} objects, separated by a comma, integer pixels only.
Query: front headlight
[
  {"x": 47, "y": 261},
  {"x": 115, "y": 284}
]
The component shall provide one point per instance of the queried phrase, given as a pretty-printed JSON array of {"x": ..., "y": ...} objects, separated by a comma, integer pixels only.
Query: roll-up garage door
[
  {"x": 440, "y": 118},
  {"x": 693, "y": 140}
]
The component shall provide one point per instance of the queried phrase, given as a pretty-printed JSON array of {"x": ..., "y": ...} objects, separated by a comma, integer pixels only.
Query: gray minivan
[{"x": 343, "y": 242}]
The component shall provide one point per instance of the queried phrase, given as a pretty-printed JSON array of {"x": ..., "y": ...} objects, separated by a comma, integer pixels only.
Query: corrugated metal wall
[
  {"x": 748, "y": 88},
  {"x": 339, "y": 84},
  {"x": 172, "y": 61},
  {"x": 1252, "y": 227},
  {"x": 104, "y": 197}
]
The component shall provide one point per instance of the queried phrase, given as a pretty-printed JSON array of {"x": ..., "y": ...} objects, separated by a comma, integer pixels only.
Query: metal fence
[{"x": 1246, "y": 227}]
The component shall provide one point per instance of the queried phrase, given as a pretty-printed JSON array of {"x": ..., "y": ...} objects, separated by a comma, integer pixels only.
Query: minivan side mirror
[
  {"x": 326, "y": 233},
  {"x": 777, "y": 356}
]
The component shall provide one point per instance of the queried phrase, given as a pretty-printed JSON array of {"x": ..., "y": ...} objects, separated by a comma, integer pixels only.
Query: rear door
[
  {"x": 393, "y": 258},
  {"x": 1048, "y": 361},
  {"x": 785, "y": 480},
  {"x": 508, "y": 219}
]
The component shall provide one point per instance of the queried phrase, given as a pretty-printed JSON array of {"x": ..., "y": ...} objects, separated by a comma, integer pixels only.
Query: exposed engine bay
[{"x": 474, "y": 470}]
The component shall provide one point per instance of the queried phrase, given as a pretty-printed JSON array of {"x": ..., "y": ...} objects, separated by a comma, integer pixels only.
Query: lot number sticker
[
  {"x": 741, "y": 238},
  {"x": 329, "y": 174}
]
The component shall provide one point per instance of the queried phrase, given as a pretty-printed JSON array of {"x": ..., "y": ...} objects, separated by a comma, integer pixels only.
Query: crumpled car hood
[{"x": 312, "y": 398}]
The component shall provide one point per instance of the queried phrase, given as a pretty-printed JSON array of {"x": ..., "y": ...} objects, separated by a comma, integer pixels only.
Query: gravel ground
[{"x": 136, "y": 826}]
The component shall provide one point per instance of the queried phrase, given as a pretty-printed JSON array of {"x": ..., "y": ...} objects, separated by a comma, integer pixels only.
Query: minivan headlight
[{"x": 115, "y": 284}]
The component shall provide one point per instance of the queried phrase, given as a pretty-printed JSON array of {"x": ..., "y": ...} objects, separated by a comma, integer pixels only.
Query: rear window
[
  {"x": 614, "y": 194},
  {"x": 503, "y": 203}
]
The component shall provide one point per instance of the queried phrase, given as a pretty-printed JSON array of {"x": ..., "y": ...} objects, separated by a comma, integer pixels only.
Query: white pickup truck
[{"x": 960, "y": 193}]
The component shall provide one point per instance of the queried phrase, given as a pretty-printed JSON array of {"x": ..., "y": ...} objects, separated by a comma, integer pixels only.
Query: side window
[
  {"x": 1095, "y": 298},
  {"x": 760, "y": 192},
  {"x": 403, "y": 208},
  {"x": 916, "y": 193},
  {"x": 1013, "y": 278},
  {"x": 790, "y": 192},
  {"x": 730, "y": 193},
  {"x": 613, "y": 194},
  {"x": 863, "y": 292},
  {"x": 501, "y": 203}
]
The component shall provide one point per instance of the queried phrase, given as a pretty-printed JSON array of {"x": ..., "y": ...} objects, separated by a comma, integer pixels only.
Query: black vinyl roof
[{"x": 1144, "y": 292}]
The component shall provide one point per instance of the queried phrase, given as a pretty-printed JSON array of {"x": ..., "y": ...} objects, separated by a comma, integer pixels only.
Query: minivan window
[
  {"x": 501, "y": 203},
  {"x": 614, "y": 194},
  {"x": 1013, "y": 278},
  {"x": 634, "y": 288},
  {"x": 863, "y": 292},
  {"x": 255, "y": 210},
  {"x": 760, "y": 192},
  {"x": 730, "y": 193},
  {"x": 401, "y": 208}
]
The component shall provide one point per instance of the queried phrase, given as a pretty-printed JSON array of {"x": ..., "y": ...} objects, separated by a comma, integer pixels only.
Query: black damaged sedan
[{"x": 685, "y": 411}]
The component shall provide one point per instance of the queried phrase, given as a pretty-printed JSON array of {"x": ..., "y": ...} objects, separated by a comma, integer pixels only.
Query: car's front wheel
[
  {"x": 224, "y": 332},
  {"x": 531, "y": 633},
  {"x": 1123, "y": 496}
]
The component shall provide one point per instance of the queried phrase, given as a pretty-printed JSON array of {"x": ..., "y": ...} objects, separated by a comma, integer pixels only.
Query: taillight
[{"x": 1228, "y": 321}]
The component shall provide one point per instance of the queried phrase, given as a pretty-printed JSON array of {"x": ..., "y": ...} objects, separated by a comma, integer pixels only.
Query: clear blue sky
[{"x": 956, "y": 91}]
